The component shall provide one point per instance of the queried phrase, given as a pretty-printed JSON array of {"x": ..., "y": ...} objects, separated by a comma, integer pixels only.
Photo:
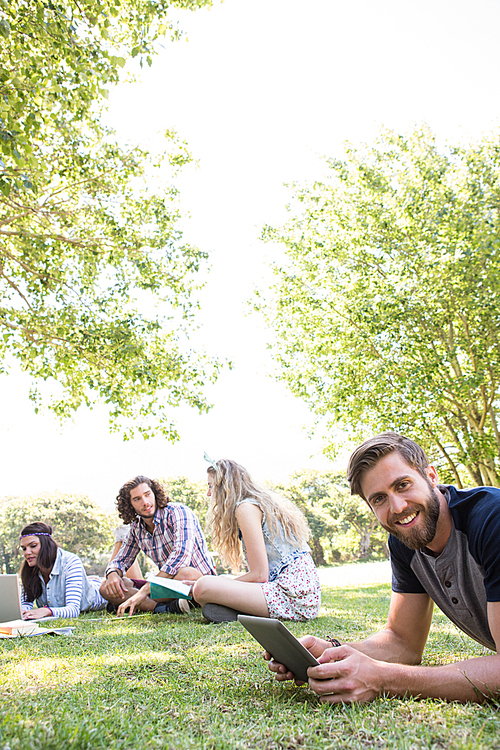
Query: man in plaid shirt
[{"x": 168, "y": 533}]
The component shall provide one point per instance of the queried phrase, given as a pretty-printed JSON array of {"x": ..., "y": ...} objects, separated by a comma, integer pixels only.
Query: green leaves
[
  {"x": 87, "y": 248},
  {"x": 387, "y": 313},
  {"x": 4, "y": 28},
  {"x": 78, "y": 525},
  {"x": 342, "y": 527}
]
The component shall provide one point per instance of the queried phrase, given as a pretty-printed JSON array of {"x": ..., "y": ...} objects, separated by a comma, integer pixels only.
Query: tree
[
  {"x": 342, "y": 527},
  {"x": 89, "y": 236},
  {"x": 309, "y": 490},
  {"x": 192, "y": 494},
  {"x": 77, "y": 523},
  {"x": 352, "y": 511},
  {"x": 387, "y": 309}
]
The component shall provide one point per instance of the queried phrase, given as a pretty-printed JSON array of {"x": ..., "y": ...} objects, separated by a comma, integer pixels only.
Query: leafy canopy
[
  {"x": 387, "y": 308},
  {"x": 96, "y": 285},
  {"x": 78, "y": 525},
  {"x": 342, "y": 526},
  {"x": 193, "y": 494}
]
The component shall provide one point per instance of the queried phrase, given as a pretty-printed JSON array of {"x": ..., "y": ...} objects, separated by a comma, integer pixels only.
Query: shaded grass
[{"x": 178, "y": 682}]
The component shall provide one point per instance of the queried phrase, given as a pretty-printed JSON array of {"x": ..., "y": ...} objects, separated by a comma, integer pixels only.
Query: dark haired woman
[{"x": 54, "y": 578}]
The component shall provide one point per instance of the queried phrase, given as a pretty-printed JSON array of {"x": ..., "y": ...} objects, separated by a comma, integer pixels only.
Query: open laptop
[
  {"x": 11, "y": 614},
  {"x": 10, "y": 599}
]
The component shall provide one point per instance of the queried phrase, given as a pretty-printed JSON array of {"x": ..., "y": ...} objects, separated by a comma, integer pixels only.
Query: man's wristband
[
  {"x": 109, "y": 573},
  {"x": 334, "y": 641}
]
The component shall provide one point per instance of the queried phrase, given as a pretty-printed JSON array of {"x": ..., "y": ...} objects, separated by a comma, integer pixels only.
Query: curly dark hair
[
  {"x": 123, "y": 504},
  {"x": 32, "y": 584}
]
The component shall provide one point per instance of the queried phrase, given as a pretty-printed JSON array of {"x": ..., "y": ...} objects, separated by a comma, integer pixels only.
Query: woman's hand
[{"x": 35, "y": 614}]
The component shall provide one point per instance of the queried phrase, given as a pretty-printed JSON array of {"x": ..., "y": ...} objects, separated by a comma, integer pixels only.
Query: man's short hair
[
  {"x": 372, "y": 450},
  {"x": 123, "y": 504}
]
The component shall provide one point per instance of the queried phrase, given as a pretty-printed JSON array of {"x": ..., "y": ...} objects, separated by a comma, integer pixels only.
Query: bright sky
[{"x": 260, "y": 91}]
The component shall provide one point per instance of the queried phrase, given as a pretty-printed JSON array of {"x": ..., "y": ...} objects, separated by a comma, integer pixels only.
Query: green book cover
[{"x": 167, "y": 588}]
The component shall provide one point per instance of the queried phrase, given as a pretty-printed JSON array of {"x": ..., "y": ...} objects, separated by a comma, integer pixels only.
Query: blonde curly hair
[{"x": 233, "y": 483}]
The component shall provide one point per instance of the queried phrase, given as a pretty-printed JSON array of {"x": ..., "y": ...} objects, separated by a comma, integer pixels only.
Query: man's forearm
[
  {"x": 388, "y": 646},
  {"x": 177, "y": 559},
  {"x": 346, "y": 675},
  {"x": 474, "y": 680},
  {"x": 109, "y": 571},
  {"x": 124, "y": 559},
  {"x": 145, "y": 590}
]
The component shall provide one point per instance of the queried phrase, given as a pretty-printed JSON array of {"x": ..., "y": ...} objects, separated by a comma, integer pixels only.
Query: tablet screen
[{"x": 281, "y": 644}]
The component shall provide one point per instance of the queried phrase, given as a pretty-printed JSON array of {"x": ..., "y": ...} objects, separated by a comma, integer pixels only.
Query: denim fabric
[
  {"x": 280, "y": 553},
  {"x": 54, "y": 592}
]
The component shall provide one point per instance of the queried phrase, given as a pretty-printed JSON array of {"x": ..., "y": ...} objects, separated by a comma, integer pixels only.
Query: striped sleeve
[
  {"x": 73, "y": 592},
  {"x": 25, "y": 604}
]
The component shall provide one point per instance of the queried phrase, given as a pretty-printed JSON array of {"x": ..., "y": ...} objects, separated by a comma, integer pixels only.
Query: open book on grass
[
  {"x": 167, "y": 588},
  {"x": 18, "y": 627}
]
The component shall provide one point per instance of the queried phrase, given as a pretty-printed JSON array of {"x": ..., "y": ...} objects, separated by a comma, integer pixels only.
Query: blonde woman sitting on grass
[{"x": 282, "y": 580}]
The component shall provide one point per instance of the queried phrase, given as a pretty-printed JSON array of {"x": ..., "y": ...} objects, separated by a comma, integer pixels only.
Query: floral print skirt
[{"x": 296, "y": 593}]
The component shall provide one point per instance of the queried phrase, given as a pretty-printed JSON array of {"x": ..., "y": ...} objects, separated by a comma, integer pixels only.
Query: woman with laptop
[
  {"x": 54, "y": 578},
  {"x": 282, "y": 580}
]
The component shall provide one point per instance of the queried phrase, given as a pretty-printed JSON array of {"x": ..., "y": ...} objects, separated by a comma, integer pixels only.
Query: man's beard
[
  {"x": 421, "y": 536},
  {"x": 148, "y": 514}
]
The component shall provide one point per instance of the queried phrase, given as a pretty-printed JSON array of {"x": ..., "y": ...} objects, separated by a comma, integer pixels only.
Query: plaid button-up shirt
[{"x": 176, "y": 542}]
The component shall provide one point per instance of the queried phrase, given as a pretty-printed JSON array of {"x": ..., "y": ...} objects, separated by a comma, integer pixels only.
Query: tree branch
[
  {"x": 19, "y": 292},
  {"x": 445, "y": 453}
]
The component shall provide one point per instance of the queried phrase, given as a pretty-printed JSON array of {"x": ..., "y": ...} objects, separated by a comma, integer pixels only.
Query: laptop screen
[{"x": 10, "y": 599}]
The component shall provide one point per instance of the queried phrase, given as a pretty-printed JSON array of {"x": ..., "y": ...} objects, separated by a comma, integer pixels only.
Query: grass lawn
[{"x": 161, "y": 681}]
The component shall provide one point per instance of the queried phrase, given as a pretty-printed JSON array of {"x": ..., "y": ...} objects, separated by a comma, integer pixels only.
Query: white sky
[{"x": 262, "y": 89}]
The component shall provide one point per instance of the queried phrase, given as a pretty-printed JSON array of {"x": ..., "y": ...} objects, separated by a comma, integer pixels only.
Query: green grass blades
[{"x": 166, "y": 681}]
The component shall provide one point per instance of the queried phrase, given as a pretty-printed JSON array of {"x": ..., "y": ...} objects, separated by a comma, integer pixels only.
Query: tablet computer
[{"x": 281, "y": 644}]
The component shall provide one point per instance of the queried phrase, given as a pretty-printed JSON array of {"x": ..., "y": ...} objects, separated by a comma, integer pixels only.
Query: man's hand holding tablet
[
  {"x": 291, "y": 657},
  {"x": 315, "y": 646}
]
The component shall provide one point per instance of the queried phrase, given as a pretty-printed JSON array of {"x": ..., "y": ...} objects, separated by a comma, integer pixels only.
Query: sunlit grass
[{"x": 178, "y": 682}]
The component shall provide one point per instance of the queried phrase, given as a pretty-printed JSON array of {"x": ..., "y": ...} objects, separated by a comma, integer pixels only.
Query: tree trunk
[
  {"x": 318, "y": 553},
  {"x": 365, "y": 538}
]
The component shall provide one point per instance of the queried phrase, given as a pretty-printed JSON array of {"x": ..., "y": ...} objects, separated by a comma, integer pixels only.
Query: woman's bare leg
[{"x": 240, "y": 595}]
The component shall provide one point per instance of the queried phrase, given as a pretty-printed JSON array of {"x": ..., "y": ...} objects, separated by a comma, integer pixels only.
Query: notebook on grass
[{"x": 167, "y": 588}]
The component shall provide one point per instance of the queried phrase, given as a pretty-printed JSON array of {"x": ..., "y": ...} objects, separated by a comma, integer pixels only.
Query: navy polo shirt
[{"x": 466, "y": 575}]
